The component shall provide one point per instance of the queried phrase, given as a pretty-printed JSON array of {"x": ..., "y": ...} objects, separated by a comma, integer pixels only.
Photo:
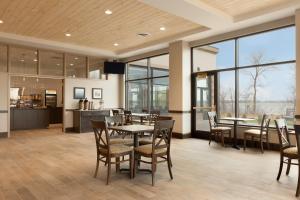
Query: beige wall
[
  {"x": 111, "y": 94},
  {"x": 4, "y": 95},
  {"x": 180, "y": 86},
  {"x": 297, "y": 20}
]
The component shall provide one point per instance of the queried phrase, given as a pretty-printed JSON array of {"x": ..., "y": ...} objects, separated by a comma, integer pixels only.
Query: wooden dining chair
[
  {"x": 115, "y": 112},
  {"x": 107, "y": 151},
  {"x": 153, "y": 117},
  {"x": 216, "y": 130},
  {"x": 288, "y": 152},
  {"x": 297, "y": 133},
  {"x": 117, "y": 137},
  {"x": 261, "y": 134},
  {"x": 159, "y": 150}
]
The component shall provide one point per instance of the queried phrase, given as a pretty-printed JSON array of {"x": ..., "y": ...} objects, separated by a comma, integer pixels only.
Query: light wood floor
[{"x": 47, "y": 164}]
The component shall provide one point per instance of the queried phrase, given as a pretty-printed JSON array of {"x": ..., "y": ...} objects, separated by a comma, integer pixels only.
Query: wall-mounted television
[{"x": 114, "y": 68}]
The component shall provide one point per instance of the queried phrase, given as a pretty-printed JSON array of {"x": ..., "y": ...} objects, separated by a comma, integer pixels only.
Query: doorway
[{"x": 204, "y": 96}]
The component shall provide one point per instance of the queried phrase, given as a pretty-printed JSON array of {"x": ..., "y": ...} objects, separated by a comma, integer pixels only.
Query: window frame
[
  {"x": 149, "y": 79},
  {"x": 236, "y": 69}
]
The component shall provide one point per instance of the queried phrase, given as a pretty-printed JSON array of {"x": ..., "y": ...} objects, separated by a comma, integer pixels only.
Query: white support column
[
  {"x": 180, "y": 87},
  {"x": 297, "y": 22},
  {"x": 4, "y": 105}
]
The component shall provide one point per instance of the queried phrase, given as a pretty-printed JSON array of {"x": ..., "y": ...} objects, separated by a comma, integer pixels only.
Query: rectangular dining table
[
  {"x": 134, "y": 130},
  {"x": 235, "y": 123}
]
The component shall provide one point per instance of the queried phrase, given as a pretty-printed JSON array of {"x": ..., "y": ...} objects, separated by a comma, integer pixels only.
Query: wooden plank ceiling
[
  {"x": 239, "y": 7},
  {"x": 86, "y": 21}
]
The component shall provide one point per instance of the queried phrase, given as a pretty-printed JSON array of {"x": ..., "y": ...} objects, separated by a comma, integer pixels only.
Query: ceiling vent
[{"x": 143, "y": 34}]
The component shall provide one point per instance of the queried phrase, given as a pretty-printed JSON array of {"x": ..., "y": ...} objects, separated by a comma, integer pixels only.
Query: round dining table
[{"x": 235, "y": 123}]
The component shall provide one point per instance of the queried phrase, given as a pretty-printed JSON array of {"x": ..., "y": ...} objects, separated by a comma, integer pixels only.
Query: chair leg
[
  {"x": 222, "y": 139},
  {"x": 280, "y": 167},
  {"x": 131, "y": 157},
  {"x": 245, "y": 141},
  {"x": 153, "y": 170},
  {"x": 170, "y": 166},
  {"x": 108, "y": 170},
  {"x": 97, "y": 167},
  {"x": 261, "y": 146},
  {"x": 298, "y": 184},
  {"x": 210, "y": 135},
  {"x": 134, "y": 164},
  {"x": 117, "y": 164},
  {"x": 288, "y": 167}
]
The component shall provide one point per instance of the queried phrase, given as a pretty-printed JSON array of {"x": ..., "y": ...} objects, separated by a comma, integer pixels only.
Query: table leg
[
  {"x": 235, "y": 146},
  {"x": 135, "y": 140}
]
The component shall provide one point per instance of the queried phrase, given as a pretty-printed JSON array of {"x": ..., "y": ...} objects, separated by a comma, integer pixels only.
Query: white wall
[
  {"x": 204, "y": 59},
  {"x": 4, "y": 92},
  {"x": 111, "y": 94}
]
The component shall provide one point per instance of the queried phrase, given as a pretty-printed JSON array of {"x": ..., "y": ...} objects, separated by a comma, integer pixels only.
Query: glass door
[{"x": 203, "y": 101}]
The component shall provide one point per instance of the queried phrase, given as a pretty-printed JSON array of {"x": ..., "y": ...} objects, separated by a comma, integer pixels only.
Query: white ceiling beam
[
  {"x": 9, "y": 38},
  {"x": 194, "y": 11}
]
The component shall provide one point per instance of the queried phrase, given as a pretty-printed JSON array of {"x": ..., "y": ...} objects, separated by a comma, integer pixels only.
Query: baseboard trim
[
  {"x": 3, "y": 134},
  {"x": 181, "y": 136},
  {"x": 240, "y": 142},
  {"x": 69, "y": 130}
]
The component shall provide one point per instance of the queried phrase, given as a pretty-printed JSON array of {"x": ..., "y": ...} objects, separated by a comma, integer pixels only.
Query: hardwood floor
[{"x": 47, "y": 164}]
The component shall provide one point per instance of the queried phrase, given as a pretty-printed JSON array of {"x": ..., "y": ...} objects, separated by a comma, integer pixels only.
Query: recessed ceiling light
[
  {"x": 1, "y": 22},
  {"x": 116, "y": 44},
  {"x": 108, "y": 12},
  {"x": 71, "y": 64},
  {"x": 57, "y": 64},
  {"x": 162, "y": 28},
  {"x": 68, "y": 34},
  {"x": 35, "y": 60},
  {"x": 76, "y": 58},
  {"x": 22, "y": 60}
]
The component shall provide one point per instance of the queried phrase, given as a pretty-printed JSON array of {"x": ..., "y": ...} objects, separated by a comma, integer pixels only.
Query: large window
[
  {"x": 147, "y": 84},
  {"x": 256, "y": 74}
]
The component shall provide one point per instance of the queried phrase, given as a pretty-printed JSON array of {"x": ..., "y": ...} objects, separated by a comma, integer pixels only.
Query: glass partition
[
  {"x": 76, "y": 66},
  {"x": 23, "y": 60},
  {"x": 3, "y": 58},
  {"x": 96, "y": 66},
  {"x": 51, "y": 63}
]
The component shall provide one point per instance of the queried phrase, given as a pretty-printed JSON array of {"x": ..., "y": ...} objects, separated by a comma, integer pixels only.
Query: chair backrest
[
  {"x": 101, "y": 135},
  {"x": 283, "y": 134},
  {"x": 212, "y": 118},
  {"x": 297, "y": 133},
  {"x": 116, "y": 120},
  {"x": 265, "y": 122},
  {"x": 154, "y": 115},
  {"x": 116, "y": 112},
  {"x": 162, "y": 135},
  {"x": 144, "y": 110},
  {"x": 128, "y": 116}
]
